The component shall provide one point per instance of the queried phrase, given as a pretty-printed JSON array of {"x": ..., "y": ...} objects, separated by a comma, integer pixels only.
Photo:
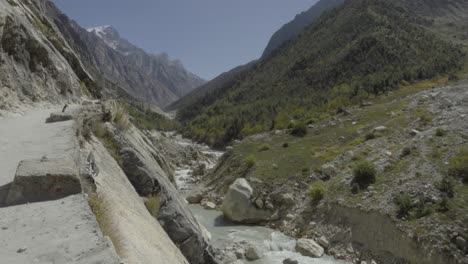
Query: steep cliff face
[
  {"x": 36, "y": 64},
  {"x": 151, "y": 78}
]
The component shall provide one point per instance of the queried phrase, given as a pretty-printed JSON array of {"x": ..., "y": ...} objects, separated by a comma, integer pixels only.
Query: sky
[{"x": 208, "y": 36}]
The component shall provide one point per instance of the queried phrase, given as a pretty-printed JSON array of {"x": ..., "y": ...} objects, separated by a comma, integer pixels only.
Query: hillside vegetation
[{"x": 362, "y": 49}]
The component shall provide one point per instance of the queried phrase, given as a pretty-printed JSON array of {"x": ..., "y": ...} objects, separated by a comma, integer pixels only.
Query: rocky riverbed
[{"x": 234, "y": 242}]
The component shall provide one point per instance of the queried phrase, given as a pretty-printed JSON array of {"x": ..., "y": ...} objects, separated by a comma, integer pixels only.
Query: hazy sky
[{"x": 208, "y": 36}]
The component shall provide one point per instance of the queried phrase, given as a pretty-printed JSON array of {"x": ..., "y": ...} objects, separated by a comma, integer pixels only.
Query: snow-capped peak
[{"x": 106, "y": 33}]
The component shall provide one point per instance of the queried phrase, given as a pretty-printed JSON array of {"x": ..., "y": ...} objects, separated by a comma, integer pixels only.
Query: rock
[
  {"x": 199, "y": 170},
  {"x": 21, "y": 250},
  {"x": 208, "y": 205},
  {"x": 259, "y": 203},
  {"x": 309, "y": 248},
  {"x": 323, "y": 242},
  {"x": 286, "y": 199},
  {"x": 379, "y": 129},
  {"x": 142, "y": 166},
  {"x": 290, "y": 216},
  {"x": 461, "y": 243},
  {"x": 363, "y": 262},
  {"x": 414, "y": 132},
  {"x": 240, "y": 253},
  {"x": 253, "y": 253},
  {"x": 310, "y": 126},
  {"x": 350, "y": 248},
  {"x": 43, "y": 180},
  {"x": 373, "y": 262},
  {"x": 328, "y": 170},
  {"x": 59, "y": 117},
  {"x": 237, "y": 206},
  {"x": 290, "y": 261},
  {"x": 195, "y": 197}
]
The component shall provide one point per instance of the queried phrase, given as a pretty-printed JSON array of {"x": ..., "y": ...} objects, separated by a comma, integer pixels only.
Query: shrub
[
  {"x": 364, "y": 173},
  {"x": 446, "y": 186},
  {"x": 458, "y": 165},
  {"x": 299, "y": 129},
  {"x": 422, "y": 209},
  {"x": 440, "y": 132},
  {"x": 317, "y": 191},
  {"x": 443, "y": 205},
  {"x": 153, "y": 204},
  {"x": 264, "y": 147},
  {"x": 404, "y": 205},
  {"x": 121, "y": 120},
  {"x": 406, "y": 152},
  {"x": 370, "y": 136},
  {"x": 305, "y": 172},
  {"x": 285, "y": 144},
  {"x": 250, "y": 160}
]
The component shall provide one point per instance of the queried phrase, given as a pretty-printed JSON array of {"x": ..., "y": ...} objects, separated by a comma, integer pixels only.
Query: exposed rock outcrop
[
  {"x": 141, "y": 163},
  {"x": 238, "y": 207}
]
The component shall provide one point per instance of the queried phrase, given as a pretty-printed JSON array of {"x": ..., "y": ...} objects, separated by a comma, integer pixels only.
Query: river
[{"x": 275, "y": 245}]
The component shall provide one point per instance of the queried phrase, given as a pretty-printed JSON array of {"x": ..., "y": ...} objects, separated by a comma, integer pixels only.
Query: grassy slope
[{"x": 364, "y": 47}]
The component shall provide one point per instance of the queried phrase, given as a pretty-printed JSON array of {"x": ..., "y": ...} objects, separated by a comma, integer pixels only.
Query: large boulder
[
  {"x": 43, "y": 180},
  {"x": 253, "y": 253},
  {"x": 309, "y": 248},
  {"x": 237, "y": 205}
]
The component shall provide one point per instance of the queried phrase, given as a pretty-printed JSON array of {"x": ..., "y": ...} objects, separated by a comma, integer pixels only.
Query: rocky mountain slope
[
  {"x": 334, "y": 63},
  {"x": 36, "y": 63},
  {"x": 295, "y": 26},
  {"x": 151, "y": 78},
  {"x": 385, "y": 182}
]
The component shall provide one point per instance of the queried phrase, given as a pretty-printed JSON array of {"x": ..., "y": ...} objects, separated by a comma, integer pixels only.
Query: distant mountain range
[{"x": 153, "y": 78}]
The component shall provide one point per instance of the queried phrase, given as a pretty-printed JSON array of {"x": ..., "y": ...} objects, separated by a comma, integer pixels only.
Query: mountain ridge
[{"x": 147, "y": 77}]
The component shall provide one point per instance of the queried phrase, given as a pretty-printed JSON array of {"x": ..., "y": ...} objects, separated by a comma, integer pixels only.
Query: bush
[
  {"x": 440, "y": 132},
  {"x": 299, "y": 129},
  {"x": 406, "y": 152},
  {"x": 458, "y": 165},
  {"x": 446, "y": 186},
  {"x": 317, "y": 191},
  {"x": 404, "y": 205},
  {"x": 305, "y": 172},
  {"x": 364, "y": 173},
  {"x": 264, "y": 147},
  {"x": 370, "y": 136},
  {"x": 121, "y": 120},
  {"x": 153, "y": 204},
  {"x": 250, "y": 160},
  {"x": 285, "y": 145}
]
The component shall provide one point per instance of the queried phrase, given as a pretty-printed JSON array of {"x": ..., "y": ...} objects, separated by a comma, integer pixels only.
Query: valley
[{"x": 345, "y": 142}]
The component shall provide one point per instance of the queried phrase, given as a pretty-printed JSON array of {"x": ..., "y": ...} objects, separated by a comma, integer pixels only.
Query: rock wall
[
  {"x": 380, "y": 234},
  {"x": 137, "y": 236},
  {"x": 142, "y": 164},
  {"x": 32, "y": 69}
]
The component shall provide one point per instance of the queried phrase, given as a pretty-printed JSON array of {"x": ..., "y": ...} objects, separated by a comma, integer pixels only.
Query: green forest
[{"x": 360, "y": 49}]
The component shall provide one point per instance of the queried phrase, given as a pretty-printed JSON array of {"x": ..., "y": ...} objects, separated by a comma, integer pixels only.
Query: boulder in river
[
  {"x": 237, "y": 205},
  {"x": 253, "y": 253},
  {"x": 290, "y": 261},
  {"x": 309, "y": 248}
]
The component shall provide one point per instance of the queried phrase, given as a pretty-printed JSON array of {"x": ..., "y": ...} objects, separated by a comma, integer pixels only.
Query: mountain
[
  {"x": 301, "y": 21},
  {"x": 282, "y": 36},
  {"x": 361, "y": 49},
  {"x": 212, "y": 87},
  {"x": 152, "y": 78}
]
